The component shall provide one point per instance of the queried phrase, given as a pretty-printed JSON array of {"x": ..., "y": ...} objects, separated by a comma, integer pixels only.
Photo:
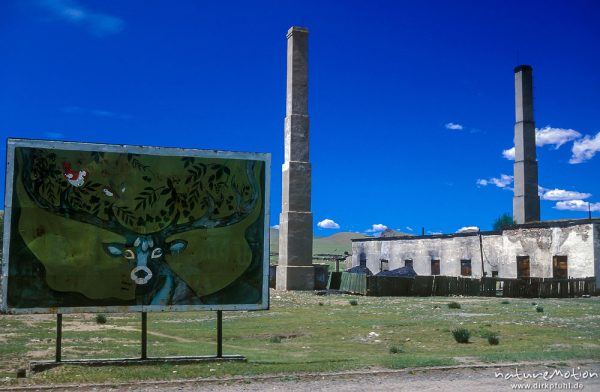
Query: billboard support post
[
  {"x": 219, "y": 334},
  {"x": 58, "y": 337},
  {"x": 144, "y": 335}
]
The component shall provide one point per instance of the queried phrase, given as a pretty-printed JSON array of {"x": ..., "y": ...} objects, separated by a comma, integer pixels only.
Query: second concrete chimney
[{"x": 526, "y": 201}]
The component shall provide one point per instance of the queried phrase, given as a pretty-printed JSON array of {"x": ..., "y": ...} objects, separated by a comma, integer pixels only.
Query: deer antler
[
  {"x": 206, "y": 221},
  {"x": 65, "y": 209}
]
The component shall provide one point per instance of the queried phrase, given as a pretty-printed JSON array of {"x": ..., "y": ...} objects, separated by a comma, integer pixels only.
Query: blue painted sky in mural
[{"x": 411, "y": 103}]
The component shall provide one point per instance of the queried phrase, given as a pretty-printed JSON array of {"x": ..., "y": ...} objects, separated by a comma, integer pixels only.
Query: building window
[
  {"x": 384, "y": 265},
  {"x": 408, "y": 263},
  {"x": 465, "y": 267},
  {"x": 362, "y": 260},
  {"x": 494, "y": 274},
  {"x": 435, "y": 267},
  {"x": 523, "y": 267},
  {"x": 560, "y": 267}
]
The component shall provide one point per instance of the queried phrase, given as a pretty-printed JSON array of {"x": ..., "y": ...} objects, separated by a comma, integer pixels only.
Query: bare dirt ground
[{"x": 562, "y": 376}]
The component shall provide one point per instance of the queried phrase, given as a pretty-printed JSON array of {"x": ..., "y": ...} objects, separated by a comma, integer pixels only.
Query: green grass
[{"x": 300, "y": 335}]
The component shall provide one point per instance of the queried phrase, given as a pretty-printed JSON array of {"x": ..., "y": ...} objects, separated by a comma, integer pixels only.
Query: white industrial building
[{"x": 550, "y": 249}]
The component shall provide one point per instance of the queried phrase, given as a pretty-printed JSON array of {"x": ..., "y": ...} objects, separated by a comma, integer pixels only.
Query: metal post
[
  {"x": 144, "y": 335},
  {"x": 219, "y": 333},
  {"x": 337, "y": 264},
  {"x": 58, "y": 336}
]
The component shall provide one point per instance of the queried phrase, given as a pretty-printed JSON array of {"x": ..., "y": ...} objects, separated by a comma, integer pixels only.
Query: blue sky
[{"x": 411, "y": 103}]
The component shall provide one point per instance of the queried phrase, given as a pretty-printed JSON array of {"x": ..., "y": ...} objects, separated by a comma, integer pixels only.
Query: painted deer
[{"x": 147, "y": 254}]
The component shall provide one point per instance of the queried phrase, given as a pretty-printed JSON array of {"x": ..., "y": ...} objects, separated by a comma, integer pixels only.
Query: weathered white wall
[
  {"x": 449, "y": 250},
  {"x": 596, "y": 231},
  {"x": 542, "y": 244},
  {"x": 499, "y": 251}
]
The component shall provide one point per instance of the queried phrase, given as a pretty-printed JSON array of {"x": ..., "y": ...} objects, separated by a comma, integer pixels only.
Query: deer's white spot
[{"x": 107, "y": 192}]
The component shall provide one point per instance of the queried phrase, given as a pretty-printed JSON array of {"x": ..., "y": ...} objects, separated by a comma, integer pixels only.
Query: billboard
[{"x": 101, "y": 228}]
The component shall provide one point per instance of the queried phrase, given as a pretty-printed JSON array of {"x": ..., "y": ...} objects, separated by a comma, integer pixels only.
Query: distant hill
[
  {"x": 337, "y": 243},
  {"x": 394, "y": 233}
]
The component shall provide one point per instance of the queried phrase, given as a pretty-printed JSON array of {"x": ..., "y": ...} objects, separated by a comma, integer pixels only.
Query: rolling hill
[{"x": 335, "y": 244}]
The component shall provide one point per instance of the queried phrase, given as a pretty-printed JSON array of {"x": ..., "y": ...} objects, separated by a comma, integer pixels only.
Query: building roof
[{"x": 530, "y": 225}]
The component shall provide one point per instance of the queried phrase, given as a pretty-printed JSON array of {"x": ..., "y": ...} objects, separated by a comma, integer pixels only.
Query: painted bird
[{"x": 75, "y": 178}]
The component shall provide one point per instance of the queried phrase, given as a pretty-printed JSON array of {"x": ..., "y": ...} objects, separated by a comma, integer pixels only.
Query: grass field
[{"x": 303, "y": 333}]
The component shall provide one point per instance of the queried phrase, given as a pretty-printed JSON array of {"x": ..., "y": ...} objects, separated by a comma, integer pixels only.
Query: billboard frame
[{"x": 13, "y": 143}]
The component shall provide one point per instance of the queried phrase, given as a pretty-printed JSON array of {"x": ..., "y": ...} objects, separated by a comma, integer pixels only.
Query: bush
[
  {"x": 539, "y": 309},
  {"x": 454, "y": 305},
  {"x": 396, "y": 350},
  {"x": 493, "y": 340},
  {"x": 505, "y": 302},
  {"x": 100, "y": 319},
  {"x": 461, "y": 335},
  {"x": 353, "y": 302},
  {"x": 275, "y": 339},
  {"x": 504, "y": 221},
  {"x": 321, "y": 304}
]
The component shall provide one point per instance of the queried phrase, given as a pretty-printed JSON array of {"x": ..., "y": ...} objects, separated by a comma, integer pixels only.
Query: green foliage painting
[{"x": 111, "y": 227}]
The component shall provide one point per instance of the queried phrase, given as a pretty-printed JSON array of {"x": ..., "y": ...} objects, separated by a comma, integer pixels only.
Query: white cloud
[
  {"x": 96, "y": 23},
  {"x": 409, "y": 228},
  {"x": 454, "y": 126},
  {"x": 503, "y": 182},
  {"x": 585, "y": 148},
  {"x": 376, "y": 228},
  {"x": 94, "y": 112},
  {"x": 561, "y": 194},
  {"x": 468, "y": 229},
  {"x": 275, "y": 227},
  {"x": 548, "y": 135},
  {"x": 509, "y": 154},
  {"x": 555, "y": 136},
  {"x": 577, "y": 205},
  {"x": 328, "y": 224}
]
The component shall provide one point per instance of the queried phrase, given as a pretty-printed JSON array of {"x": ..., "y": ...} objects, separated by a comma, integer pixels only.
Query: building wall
[
  {"x": 500, "y": 251},
  {"x": 596, "y": 233}
]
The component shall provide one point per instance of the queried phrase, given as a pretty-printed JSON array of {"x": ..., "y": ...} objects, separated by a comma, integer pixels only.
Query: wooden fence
[{"x": 451, "y": 285}]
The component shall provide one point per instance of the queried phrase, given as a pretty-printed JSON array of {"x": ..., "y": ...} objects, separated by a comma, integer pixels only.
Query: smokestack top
[
  {"x": 523, "y": 67},
  {"x": 297, "y": 29}
]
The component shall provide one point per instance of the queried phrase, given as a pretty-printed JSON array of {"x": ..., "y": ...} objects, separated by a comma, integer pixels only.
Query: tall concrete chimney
[
  {"x": 295, "y": 270},
  {"x": 526, "y": 201}
]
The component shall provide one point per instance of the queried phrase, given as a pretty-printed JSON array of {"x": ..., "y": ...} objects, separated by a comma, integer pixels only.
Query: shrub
[
  {"x": 493, "y": 339},
  {"x": 353, "y": 302},
  {"x": 454, "y": 305},
  {"x": 321, "y": 304},
  {"x": 504, "y": 221},
  {"x": 461, "y": 335},
  {"x": 396, "y": 350},
  {"x": 505, "y": 302},
  {"x": 275, "y": 339},
  {"x": 539, "y": 309},
  {"x": 100, "y": 318}
]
